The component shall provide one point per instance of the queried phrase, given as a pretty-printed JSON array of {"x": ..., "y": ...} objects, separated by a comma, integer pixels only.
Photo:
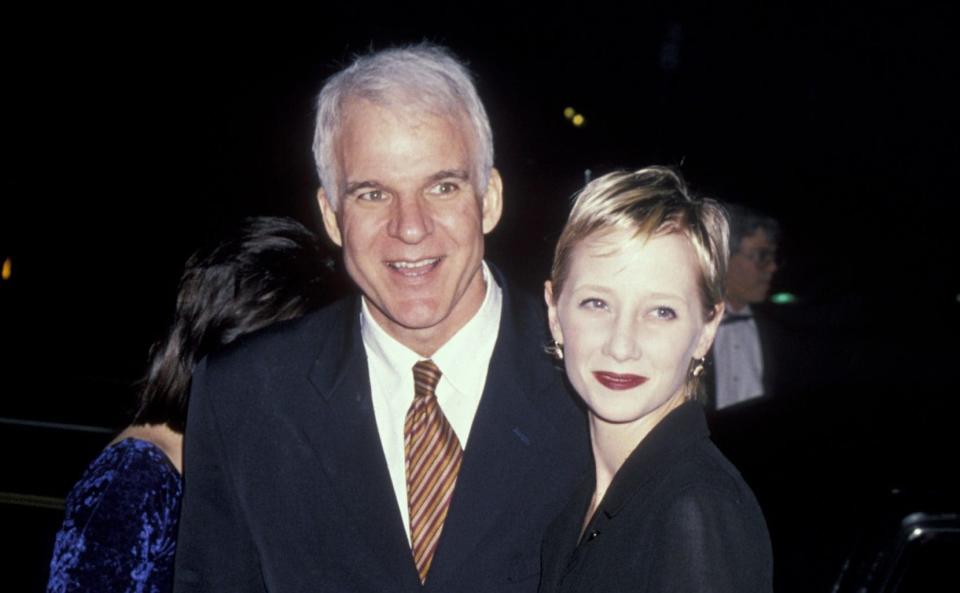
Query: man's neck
[{"x": 736, "y": 306}]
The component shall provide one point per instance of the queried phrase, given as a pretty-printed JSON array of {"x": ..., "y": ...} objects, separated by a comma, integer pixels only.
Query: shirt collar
[
  {"x": 394, "y": 360},
  {"x": 476, "y": 337}
]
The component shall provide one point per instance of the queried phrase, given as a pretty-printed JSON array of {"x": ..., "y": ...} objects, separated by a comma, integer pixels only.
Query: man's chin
[{"x": 413, "y": 318}]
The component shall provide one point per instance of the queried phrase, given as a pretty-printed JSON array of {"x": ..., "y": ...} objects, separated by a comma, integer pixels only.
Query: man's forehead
[
  {"x": 377, "y": 139},
  {"x": 411, "y": 112}
]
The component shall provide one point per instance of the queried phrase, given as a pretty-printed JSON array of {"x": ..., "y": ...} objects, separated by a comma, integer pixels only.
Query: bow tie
[{"x": 735, "y": 318}]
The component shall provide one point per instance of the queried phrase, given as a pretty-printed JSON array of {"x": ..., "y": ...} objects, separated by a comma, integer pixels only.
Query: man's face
[
  {"x": 751, "y": 269},
  {"x": 410, "y": 221}
]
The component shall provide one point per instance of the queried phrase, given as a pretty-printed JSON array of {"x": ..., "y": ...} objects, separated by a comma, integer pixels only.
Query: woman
[
  {"x": 120, "y": 525},
  {"x": 635, "y": 298}
]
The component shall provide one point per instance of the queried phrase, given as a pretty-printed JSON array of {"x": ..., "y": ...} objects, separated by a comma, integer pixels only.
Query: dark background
[{"x": 129, "y": 140}]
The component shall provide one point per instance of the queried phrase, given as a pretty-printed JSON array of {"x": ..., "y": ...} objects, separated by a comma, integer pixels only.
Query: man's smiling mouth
[{"x": 415, "y": 267}]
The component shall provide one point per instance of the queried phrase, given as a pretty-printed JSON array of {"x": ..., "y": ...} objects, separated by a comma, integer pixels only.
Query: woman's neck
[{"x": 612, "y": 444}]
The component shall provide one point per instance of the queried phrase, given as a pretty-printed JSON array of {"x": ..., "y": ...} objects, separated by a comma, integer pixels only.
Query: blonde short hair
[{"x": 649, "y": 202}]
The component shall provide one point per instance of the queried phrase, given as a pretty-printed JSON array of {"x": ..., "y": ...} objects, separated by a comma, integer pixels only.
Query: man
[
  {"x": 742, "y": 361},
  {"x": 305, "y": 446}
]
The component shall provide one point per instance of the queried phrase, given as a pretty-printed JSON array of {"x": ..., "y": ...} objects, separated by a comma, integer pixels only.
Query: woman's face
[{"x": 630, "y": 320}]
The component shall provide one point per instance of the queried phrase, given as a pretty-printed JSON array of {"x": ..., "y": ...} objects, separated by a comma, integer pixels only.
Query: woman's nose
[{"x": 622, "y": 343}]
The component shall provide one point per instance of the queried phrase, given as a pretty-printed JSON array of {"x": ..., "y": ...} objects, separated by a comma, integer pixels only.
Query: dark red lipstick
[{"x": 618, "y": 381}]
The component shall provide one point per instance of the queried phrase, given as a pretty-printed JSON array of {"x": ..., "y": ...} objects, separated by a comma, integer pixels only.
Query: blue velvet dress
[{"x": 120, "y": 526}]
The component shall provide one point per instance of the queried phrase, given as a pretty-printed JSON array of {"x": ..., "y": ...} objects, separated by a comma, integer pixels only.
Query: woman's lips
[{"x": 618, "y": 381}]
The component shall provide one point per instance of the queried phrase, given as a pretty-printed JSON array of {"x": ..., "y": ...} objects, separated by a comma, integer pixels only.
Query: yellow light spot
[
  {"x": 569, "y": 112},
  {"x": 578, "y": 120},
  {"x": 7, "y": 268}
]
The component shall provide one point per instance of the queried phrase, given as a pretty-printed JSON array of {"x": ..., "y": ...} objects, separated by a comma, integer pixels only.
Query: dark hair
[
  {"x": 745, "y": 221},
  {"x": 269, "y": 271}
]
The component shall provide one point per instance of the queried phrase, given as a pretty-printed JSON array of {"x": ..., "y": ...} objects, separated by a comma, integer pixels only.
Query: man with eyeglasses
[{"x": 742, "y": 359}]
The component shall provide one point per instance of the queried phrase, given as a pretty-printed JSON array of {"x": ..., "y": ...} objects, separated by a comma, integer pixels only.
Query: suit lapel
[{"x": 342, "y": 430}]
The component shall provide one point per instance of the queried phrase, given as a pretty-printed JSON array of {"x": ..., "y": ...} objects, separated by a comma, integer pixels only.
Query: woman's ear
[
  {"x": 555, "y": 330},
  {"x": 709, "y": 332}
]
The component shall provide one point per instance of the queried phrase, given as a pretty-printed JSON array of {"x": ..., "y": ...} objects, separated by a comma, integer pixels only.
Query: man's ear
[
  {"x": 555, "y": 330},
  {"x": 492, "y": 202},
  {"x": 329, "y": 218}
]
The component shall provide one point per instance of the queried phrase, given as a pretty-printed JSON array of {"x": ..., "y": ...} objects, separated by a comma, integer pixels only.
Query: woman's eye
[
  {"x": 664, "y": 313},
  {"x": 593, "y": 303}
]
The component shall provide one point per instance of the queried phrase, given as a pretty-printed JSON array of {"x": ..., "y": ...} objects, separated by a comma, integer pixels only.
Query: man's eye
[
  {"x": 371, "y": 196},
  {"x": 443, "y": 188},
  {"x": 593, "y": 304}
]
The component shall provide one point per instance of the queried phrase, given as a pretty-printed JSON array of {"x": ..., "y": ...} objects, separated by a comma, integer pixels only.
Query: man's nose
[{"x": 411, "y": 220}]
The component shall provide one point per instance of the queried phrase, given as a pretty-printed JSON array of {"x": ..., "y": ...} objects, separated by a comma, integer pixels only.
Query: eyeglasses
[{"x": 763, "y": 257}]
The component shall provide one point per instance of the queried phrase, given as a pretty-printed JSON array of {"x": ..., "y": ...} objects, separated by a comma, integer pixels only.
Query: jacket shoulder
[
  {"x": 294, "y": 341},
  {"x": 705, "y": 468}
]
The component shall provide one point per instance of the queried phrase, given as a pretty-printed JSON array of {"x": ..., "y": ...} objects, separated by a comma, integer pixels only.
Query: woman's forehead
[{"x": 620, "y": 256}]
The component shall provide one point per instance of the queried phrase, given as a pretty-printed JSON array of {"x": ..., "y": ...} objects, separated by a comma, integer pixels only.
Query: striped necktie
[{"x": 433, "y": 457}]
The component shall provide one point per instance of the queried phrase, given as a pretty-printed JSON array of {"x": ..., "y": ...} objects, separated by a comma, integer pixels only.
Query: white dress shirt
[
  {"x": 738, "y": 360},
  {"x": 463, "y": 362}
]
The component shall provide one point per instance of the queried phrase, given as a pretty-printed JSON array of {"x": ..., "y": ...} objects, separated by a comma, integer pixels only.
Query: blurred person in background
[
  {"x": 743, "y": 355},
  {"x": 120, "y": 525}
]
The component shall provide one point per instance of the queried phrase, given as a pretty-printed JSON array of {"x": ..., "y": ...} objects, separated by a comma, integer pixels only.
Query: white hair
[{"x": 424, "y": 77}]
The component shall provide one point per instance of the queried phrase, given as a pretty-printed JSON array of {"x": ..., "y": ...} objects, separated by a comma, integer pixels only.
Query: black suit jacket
[
  {"x": 287, "y": 488},
  {"x": 677, "y": 517}
]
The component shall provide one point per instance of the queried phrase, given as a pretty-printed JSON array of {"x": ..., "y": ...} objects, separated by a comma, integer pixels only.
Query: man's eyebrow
[
  {"x": 449, "y": 173},
  {"x": 357, "y": 185}
]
